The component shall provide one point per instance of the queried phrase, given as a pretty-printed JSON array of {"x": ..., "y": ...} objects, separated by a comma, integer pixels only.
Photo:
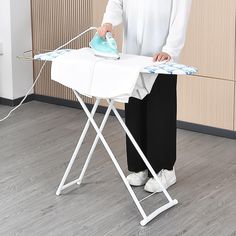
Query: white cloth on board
[{"x": 104, "y": 78}]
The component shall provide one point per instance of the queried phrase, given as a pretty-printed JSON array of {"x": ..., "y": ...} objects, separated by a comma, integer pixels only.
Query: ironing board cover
[{"x": 63, "y": 64}]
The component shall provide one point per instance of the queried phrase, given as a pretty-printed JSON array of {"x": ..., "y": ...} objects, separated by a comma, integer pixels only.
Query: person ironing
[{"x": 154, "y": 28}]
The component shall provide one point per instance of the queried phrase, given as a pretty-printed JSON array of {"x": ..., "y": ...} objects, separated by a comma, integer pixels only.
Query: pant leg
[
  {"x": 161, "y": 123},
  {"x": 135, "y": 119}
]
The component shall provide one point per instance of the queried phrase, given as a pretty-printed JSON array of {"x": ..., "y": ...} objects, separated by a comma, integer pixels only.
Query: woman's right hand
[{"x": 107, "y": 27}]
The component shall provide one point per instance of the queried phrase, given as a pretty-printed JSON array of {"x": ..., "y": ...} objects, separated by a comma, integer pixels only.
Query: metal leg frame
[{"x": 111, "y": 107}]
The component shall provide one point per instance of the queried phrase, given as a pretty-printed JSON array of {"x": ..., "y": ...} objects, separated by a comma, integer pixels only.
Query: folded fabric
[{"x": 103, "y": 78}]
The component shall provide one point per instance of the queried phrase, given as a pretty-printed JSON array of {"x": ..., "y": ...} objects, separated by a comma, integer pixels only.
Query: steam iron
[{"x": 105, "y": 47}]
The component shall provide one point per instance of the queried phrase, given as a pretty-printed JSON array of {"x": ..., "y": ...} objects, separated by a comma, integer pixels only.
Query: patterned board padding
[{"x": 163, "y": 68}]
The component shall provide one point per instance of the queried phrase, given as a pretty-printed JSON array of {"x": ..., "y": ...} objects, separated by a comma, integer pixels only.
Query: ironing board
[{"x": 168, "y": 68}]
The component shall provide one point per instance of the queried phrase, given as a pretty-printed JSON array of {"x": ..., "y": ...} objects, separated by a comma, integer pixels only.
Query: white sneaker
[
  {"x": 138, "y": 179},
  {"x": 167, "y": 178}
]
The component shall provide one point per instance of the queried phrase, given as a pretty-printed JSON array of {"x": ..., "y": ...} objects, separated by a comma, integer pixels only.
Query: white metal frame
[{"x": 111, "y": 107}]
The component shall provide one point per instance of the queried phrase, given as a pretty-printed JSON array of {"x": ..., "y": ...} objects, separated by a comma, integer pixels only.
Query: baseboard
[
  {"x": 206, "y": 129},
  {"x": 15, "y": 102},
  {"x": 180, "y": 124},
  {"x": 101, "y": 109}
]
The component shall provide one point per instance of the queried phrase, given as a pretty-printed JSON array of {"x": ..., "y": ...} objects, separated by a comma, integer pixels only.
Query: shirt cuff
[{"x": 172, "y": 53}]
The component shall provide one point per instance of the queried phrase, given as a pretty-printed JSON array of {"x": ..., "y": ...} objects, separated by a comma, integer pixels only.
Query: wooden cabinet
[
  {"x": 209, "y": 98},
  {"x": 210, "y": 42},
  {"x": 206, "y": 101}
]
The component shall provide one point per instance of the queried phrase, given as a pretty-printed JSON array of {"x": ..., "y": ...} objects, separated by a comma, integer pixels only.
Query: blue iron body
[{"x": 104, "y": 47}]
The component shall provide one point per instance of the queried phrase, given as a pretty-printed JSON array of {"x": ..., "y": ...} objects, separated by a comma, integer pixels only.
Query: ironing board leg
[
  {"x": 79, "y": 180},
  {"x": 171, "y": 201},
  {"x": 111, "y": 154},
  {"x": 140, "y": 152},
  {"x": 61, "y": 186},
  {"x": 111, "y": 106}
]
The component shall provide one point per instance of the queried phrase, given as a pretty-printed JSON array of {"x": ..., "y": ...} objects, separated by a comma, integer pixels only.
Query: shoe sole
[
  {"x": 150, "y": 191},
  {"x": 135, "y": 184}
]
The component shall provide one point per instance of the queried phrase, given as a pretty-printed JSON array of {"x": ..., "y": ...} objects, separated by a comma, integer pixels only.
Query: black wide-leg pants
[{"x": 152, "y": 122}]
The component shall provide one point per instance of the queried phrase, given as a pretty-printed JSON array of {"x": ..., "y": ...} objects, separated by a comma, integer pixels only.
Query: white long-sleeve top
[{"x": 150, "y": 26}]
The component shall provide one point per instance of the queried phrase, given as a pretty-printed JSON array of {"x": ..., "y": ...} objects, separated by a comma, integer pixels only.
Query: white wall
[
  {"x": 6, "y": 85},
  {"x": 16, "y": 76}
]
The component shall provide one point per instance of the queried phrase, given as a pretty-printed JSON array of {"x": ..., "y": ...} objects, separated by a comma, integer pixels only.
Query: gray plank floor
[{"x": 35, "y": 146}]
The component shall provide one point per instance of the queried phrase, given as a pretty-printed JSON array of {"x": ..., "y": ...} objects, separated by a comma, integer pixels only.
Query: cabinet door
[
  {"x": 206, "y": 101},
  {"x": 210, "y": 41}
]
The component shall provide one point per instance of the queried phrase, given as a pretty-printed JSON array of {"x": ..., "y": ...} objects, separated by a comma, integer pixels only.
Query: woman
[{"x": 154, "y": 28}]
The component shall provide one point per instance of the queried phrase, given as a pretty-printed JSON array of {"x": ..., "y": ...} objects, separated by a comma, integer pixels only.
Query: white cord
[
  {"x": 40, "y": 72},
  {"x": 26, "y": 93},
  {"x": 78, "y": 36}
]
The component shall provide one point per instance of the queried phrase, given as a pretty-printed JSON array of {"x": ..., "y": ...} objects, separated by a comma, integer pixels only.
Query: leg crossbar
[{"x": 99, "y": 135}]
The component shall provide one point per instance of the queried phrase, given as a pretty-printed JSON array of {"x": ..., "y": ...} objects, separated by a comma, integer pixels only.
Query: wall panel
[{"x": 55, "y": 22}]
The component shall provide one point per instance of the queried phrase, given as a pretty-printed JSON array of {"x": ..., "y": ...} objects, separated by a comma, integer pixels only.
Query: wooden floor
[{"x": 35, "y": 146}]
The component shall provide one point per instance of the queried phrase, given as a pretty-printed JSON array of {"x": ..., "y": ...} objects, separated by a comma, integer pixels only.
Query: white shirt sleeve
[
  {"x": 114, "y": 12},
  {"x": 178, "y": 26}
]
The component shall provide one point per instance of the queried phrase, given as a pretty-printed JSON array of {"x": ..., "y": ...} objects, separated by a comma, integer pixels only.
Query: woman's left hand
[{"x": 161, "y": 56}]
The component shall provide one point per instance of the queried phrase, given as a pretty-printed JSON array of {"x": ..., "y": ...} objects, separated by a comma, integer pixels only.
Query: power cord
[{"x": 41, "y": 70}]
